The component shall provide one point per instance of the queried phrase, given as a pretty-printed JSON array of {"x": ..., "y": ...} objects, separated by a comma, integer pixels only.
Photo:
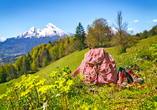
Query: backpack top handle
[{"x": 90, "y": 46}]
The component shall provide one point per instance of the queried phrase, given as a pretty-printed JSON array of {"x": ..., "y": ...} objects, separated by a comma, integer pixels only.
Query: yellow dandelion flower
[
  {"x": 64, "y": 73},
  {"x": 66, "y": 89},
  {"x": 25, "y": 93},
  {"x": 9, "y": 97},
  {"x": 53, "y": 73},
  {"x": 1, "y": 96},
  {"x": 69, "y": 82}
]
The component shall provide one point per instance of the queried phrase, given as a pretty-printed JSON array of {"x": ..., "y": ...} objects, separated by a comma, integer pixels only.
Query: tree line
[{"x": 99, "y": 34}]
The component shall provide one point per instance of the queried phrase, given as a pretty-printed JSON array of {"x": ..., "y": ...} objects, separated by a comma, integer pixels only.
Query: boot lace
[
  {"x": 122, "y": 77},
  {"x": 132, "y": 73}
]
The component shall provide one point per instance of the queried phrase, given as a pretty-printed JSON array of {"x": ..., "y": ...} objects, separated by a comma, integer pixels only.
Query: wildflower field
[{"x": 54, "y": 88}]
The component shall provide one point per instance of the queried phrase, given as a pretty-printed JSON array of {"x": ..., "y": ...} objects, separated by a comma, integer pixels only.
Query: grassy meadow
[{"x": 107, "y": 97}]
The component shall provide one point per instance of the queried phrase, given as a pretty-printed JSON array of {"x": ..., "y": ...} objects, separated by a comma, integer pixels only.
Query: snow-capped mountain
[
  {"x": 49, "y": 30},
  {"x": 24, "y": 42},
  {"x": 2, "y": 39}
]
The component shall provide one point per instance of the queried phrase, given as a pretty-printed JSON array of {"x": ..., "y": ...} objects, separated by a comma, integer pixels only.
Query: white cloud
[
  {"x": 130, "y": 29},
  {"x": 113, "y": 29},
  {"x": 108, "y": 20},
  {"x": 154, "y": 20},
  {"x": 136, "y": 21}
]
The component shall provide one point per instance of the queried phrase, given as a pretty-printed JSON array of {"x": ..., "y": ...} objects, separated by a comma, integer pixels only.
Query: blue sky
[{"x": 18, "y": 16}]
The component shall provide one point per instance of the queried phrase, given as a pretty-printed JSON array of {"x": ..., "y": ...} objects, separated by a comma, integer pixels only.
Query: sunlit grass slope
[{"x": 74, "y": 60}]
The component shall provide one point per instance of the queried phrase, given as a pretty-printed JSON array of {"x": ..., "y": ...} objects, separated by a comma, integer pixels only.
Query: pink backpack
[{"x": 98, "y": 67}]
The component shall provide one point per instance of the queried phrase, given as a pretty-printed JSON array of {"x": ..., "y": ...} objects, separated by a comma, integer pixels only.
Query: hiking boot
[
  {"x": 134, "y": 76},
  {"x": 122, "y": 78}
]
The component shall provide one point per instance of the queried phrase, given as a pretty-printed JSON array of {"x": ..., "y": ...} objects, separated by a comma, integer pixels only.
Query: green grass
[
  {"x": 74, "y": 60},
  {"x": 108, "y": 97},
  {"x": 3, "y": 86},
  {"x": 143, "y": 42}
]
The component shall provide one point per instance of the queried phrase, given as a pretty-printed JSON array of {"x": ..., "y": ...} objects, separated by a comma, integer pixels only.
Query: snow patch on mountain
[{"x": 2, "y": 39}]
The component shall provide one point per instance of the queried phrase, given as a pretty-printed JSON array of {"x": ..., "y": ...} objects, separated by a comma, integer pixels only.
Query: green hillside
[
  {"x": 74, "y": 60},
  {"x": 123, "y": 60}
]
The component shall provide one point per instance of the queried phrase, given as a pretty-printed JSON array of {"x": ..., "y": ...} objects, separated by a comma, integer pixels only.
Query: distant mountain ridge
[
  {"x": 48, "y": 31},
  {"x": 24, "y": 42}
]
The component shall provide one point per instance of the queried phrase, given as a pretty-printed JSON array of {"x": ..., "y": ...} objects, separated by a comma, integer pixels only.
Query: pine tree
[
  {"x": 38, "y": 61},
  {"x": 45, "y": 63},
  {"x": 49, "y": 42},
  {"x": 80, "y": 36},
  {"x": 61, "y": 50},
  {"x": 71, "y": 44},
  {"x": 145, "y": 34},
  {"x": 3, "y": 74},
  {"x": 12, "y": 72},
  {"x": 33, "y": 66},
  {"x": 18, "y": 65}
]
